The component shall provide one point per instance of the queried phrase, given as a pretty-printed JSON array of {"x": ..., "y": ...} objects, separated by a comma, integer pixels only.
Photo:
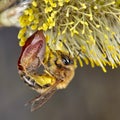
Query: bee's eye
[{"x": 66, "y": 60}]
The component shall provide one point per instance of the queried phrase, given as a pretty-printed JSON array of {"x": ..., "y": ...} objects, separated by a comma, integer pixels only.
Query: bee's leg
[
  {"x": 47, "y": 68},
  {"x": 42, "y": 63}
]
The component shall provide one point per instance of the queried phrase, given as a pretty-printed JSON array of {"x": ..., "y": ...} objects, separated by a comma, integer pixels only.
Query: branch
[
  {"x": 4, "y": 4},
  {"x": 10, "y": 10}
]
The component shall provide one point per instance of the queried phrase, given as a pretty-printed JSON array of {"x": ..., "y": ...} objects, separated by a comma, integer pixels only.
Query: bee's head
[{"x": 64, "y": 60}]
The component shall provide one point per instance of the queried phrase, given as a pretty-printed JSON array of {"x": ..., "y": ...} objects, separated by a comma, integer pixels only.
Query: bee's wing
[{"x": 41, "y": 100}]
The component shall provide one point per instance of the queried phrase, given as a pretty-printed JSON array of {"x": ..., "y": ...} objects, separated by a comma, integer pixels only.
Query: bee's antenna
[
  {"x": 51, "y": 51},
  {"x": 65, "y": 45}
]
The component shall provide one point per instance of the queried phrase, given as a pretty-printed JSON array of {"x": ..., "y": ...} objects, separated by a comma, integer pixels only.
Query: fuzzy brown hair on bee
[{"x": 62, "y": 67}]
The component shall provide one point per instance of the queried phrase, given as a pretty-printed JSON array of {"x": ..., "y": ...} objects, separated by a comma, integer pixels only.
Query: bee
[{"x": 58, "y": 70}]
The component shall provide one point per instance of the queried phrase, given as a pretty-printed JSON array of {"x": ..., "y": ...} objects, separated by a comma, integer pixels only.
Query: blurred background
[{"x": 92, "y": 95}]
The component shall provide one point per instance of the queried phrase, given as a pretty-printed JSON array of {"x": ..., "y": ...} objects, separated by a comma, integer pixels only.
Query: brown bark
[{"x": 4, "y": 4}]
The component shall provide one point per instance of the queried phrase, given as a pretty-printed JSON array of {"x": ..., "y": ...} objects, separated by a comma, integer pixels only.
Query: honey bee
[{"x": 58, "y": 70}]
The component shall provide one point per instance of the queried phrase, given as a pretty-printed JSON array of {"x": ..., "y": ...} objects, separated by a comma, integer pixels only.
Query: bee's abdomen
[{"x": 29, "y": 81}]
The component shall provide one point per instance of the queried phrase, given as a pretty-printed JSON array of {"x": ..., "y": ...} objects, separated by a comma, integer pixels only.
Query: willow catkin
[{"x": 88, "y": 29}]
